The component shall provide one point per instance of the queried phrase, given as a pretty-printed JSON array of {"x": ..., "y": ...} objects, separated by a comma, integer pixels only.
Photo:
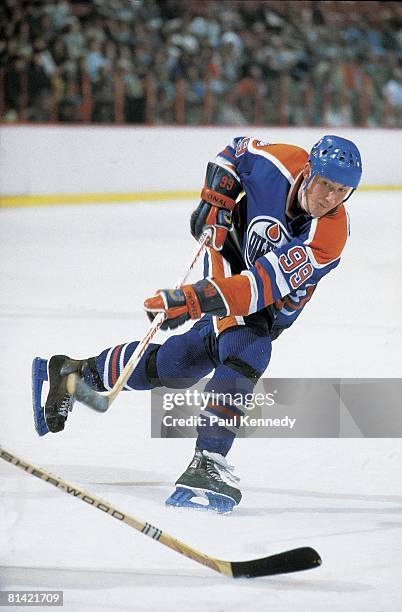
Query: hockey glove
[
  {"x": 188, "y": 302},
  {"x": 215, "y": 209}
]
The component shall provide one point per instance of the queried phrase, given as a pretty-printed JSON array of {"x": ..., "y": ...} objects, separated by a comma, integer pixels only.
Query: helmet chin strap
[
  {"x": 303, "y": 202},
  {"x": 351, "y": 191}
]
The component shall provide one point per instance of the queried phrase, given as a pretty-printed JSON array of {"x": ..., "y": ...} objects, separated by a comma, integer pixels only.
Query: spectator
[
  {"x": 393, "y": 95},
  {"x": 103, "y": 110},
  {"x": 59, "y": 12},
  {"x": 38, "y": 81},
  {"x": 134, "y": 98},
  {"x": 95, "y": 60},
  {"x": 13, "y": 86},
  {"x": 47, "y": 59},
  {"x": 74, "y": 39}
]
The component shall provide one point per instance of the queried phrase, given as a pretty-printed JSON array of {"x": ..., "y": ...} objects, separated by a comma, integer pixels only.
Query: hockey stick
[
  {"x": 101, "y": 400},
  {"x": 294, "y": 560}
]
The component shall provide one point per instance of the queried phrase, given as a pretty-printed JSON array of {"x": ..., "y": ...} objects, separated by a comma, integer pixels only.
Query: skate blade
[
  {"x": 39, "y": 376},
  {"x": 182, "y": 498}
]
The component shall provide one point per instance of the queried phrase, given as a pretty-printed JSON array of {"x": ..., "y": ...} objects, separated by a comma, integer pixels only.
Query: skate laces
[
  {"x": 218, "y": 468},
  {"x": 66, "y": 405}
]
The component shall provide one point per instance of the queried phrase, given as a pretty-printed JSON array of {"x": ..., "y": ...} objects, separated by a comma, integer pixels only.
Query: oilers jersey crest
[
  {"x": 285, "y": 252},
  {"x": 264, "y": 233}
]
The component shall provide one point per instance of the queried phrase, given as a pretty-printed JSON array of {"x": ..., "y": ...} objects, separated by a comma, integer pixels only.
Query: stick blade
[{"x": 295, "y": 560}]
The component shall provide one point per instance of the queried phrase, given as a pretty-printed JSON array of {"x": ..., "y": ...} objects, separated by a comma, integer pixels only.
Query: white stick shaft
[{"x": 156, "y": 324}]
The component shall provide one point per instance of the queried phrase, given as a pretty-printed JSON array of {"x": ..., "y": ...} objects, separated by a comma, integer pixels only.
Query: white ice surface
[{"x": 72, "y": 280}]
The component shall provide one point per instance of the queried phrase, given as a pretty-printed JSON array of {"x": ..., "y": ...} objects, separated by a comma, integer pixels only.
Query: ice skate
[
  {"x": 207, "y": 477},
  {"x": 53, "y": 415}
]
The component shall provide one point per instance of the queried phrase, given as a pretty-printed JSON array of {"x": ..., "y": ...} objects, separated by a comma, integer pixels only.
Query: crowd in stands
[{"x": 218, "y": 61}]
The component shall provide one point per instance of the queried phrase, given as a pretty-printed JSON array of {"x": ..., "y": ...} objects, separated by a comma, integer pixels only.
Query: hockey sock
[
  {"x": 111, "y": 362},
  {"x": 178, "y": 363},
  {"x": 244, "y": 356}
]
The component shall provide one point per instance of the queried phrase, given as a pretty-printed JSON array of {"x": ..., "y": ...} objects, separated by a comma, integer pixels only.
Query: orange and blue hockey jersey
[{"x": 284, "y": 251}]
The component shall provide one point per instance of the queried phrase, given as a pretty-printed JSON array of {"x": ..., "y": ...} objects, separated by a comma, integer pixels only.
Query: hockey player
[{"x": 278, "y": 225}]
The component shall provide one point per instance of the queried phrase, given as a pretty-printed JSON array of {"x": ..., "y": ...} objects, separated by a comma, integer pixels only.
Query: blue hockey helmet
[{"x": 337, "y": 159}]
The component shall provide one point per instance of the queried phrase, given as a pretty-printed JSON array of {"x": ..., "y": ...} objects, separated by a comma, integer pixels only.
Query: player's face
[{"x": 323, "y": 195}]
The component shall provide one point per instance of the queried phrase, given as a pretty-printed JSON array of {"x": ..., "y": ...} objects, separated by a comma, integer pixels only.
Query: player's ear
[{"x": 306, "y": 171}]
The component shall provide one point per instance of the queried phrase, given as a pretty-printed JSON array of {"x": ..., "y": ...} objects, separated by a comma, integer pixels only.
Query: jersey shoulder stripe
[
  {"x": 290, "y": 157},
  {"x": 327, "y": 237}
]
